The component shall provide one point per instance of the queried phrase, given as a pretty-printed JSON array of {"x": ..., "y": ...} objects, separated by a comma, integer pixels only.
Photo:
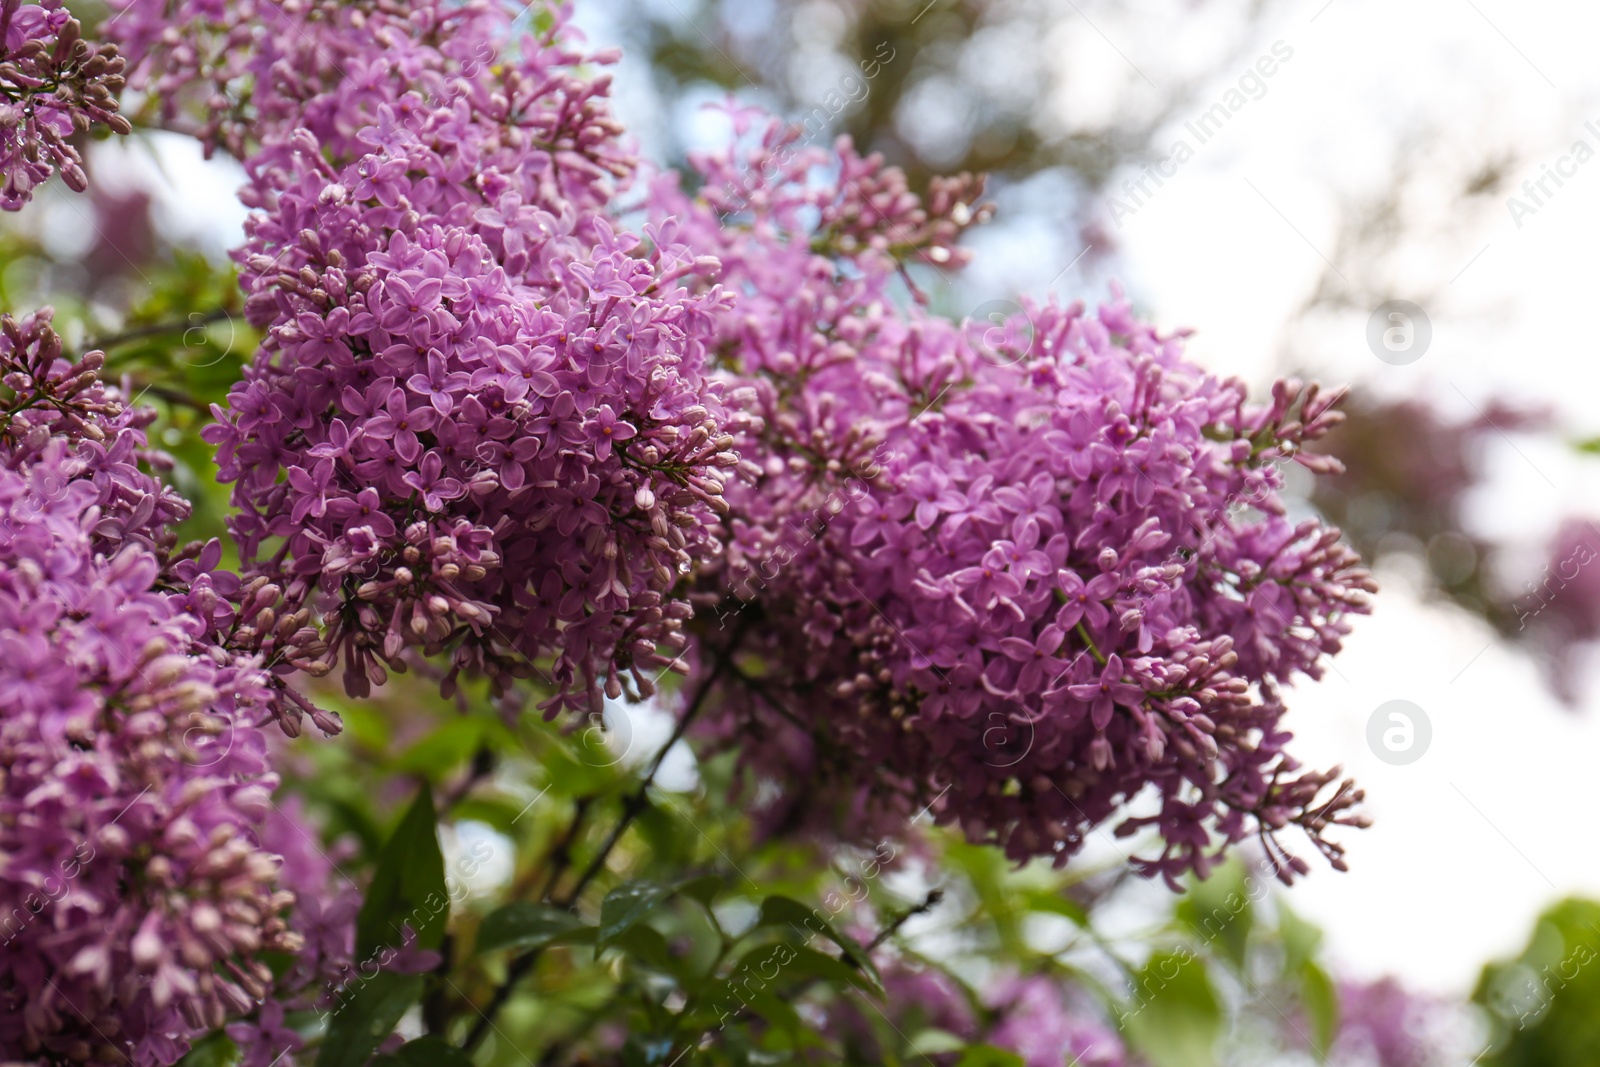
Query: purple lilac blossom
[
  {"x": 478, "y": 426},
  {"x": 53, "y": 84},
  {"x": 1048, "y": 1023},
  {"x": 135, "y": 896},
  {"x": 917, "y": 997},
  {"x": 1558, "y": 611},
  {"x": 1383, "y": 1024},
  {"x": 1012, "y": 577},
  {"x": 1048, "y": 1026}
]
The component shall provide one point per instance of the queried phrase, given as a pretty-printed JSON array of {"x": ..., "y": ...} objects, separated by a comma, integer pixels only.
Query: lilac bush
[{"x": 1028, "y": 577}]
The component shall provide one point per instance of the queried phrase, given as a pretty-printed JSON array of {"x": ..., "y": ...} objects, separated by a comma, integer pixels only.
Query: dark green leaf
[
  {"x": 989, "y": 1056},
  {"x": 807, "y": 923},
  {"x": 808, "y": 963},
  {"x": 215, "y": 1050},
  {"x": 646, "y": 945},
  {"x": 758, "y": 982},
  {"x": 523, "y": 925},
  {"x": 646, "y": 1050},
  {"x": 408, "y": 885},
  {"x": 704, "y": 889},
  {"x": 431, "y": 1052},
  {"x": 627, "y": 905},
  {"x": 367, "y": 1014}
]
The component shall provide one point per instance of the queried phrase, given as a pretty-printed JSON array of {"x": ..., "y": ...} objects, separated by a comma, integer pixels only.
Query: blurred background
[
  {"x": 1271, "y": 174},
  {"x": 1403, "y": 197}
]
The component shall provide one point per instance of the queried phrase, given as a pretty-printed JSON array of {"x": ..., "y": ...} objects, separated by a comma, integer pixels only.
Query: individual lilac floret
[
  {"x": 1014, "y": 575},
  {"x": 136, "y": 900},
  {"x": 53, "y": 84}
]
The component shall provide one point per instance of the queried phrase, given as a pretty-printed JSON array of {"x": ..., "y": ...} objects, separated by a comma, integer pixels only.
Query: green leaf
[
  {"x": 367, "y": 1016},
  {"x": 408, "y": 885},
  {"x": 1220, "y": 912},
  {"x": 524, "y": 925},
  {"x": 214, "y": 1050},
  {"x": 1056, "y": 903},
  {"x": 431, "y": 1052},
  {"x": 809, "y": 963},
  {"x": 442, "y": 750},
  {"x": 647, "y": 945},
  {"x": 490, "y": 811},
  {"x": 627, "y": 905},
  {"x": 1321, "y": 1002},
  {"x": 753, "y": 983},
  {"x": 807, "y": 923},
  {"x": 1300, "y": 939},
  {"x": 1174, "y": 1018},
  {"x": 989, "y": 1056},
  {"x": 704, "y": 889},
  {"x": 1543, "y": 1006}
]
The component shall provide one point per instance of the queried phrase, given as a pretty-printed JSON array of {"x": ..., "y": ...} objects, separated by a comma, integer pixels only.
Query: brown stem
[
  {"x": 929, "y": 902},
  {"x": 139, "y": 333}
]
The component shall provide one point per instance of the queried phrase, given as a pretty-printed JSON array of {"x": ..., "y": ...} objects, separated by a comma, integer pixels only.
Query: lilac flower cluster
[
  {"x": 1383, "y": 1024},
  {"x": 1013, "y": 576},
  {"x": 53, "y": 84},
  {"x": 478, "y": 425},
  {"x": 136, "y": 898}
]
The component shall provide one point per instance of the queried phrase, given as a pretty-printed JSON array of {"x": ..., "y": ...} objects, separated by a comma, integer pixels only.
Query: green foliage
[
  {"x": 407, "y": 892},
  {"x": 408, "y": 887},
  {"x": 367, "y": 1012},
  {"x": 1175, "y": 1018},
  {"x": 524, "y": 925},
  {"x": 626, "y": 906},
  {"x": 1219, "y": 911},
  {"x": 806, "y": 922},
  {"x": 425, "y": 1052},
  {"x": 1321, "y": 1001},
  {"x": 1544, "y": 1005},
  {"x": 217, "y": 1050}
]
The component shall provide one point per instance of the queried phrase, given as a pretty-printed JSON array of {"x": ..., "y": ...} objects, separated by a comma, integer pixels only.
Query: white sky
[{"x": 1474, "y": 839}]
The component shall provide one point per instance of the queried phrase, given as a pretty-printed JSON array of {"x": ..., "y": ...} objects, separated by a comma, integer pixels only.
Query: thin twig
[
  {"x": 631, "y": 807},
  {"x": 561, "y": 855},
  {"x": 929, "y": 902},
  {"x": 139, "y": 333}
]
